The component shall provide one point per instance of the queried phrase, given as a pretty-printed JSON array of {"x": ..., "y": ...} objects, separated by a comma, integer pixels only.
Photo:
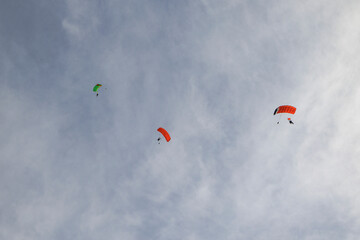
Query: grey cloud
[{"x": 77, "y": 166}]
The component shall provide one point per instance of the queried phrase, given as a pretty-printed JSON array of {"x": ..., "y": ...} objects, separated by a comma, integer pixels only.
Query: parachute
[
  {"x": 96, "y": 87},
  {"x": 164, "y": 133},
  {"x": 285, "y": 109}
]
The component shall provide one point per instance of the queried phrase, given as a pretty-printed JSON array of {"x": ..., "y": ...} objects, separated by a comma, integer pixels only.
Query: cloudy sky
[{"x": 74, "y": 166}]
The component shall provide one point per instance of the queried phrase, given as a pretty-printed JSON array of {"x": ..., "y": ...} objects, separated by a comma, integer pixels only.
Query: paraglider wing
[
  {"x": 96, "y": 87},
  {"x": 165, "y": 134},
  {"x": 285, "y": 109}
]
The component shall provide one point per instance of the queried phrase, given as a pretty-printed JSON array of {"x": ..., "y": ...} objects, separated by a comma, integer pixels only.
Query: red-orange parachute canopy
[
  {"x": 285, "y": 109},
  {"x": 165, "y": 134}
]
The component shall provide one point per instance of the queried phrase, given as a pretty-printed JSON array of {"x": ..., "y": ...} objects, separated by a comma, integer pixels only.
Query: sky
[{"x": 76, "y": 166}]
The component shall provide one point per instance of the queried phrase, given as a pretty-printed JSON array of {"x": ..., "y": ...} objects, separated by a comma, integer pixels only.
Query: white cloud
[
  {"x": 79, "y": 166},
  {"x": 81, "y": 21}
]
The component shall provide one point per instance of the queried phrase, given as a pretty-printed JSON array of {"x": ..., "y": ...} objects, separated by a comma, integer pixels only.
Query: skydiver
[
  {"x": 159, "y": 140},
  {"x": 291, "y": 122},
  {"x": 97, "y": 94}
]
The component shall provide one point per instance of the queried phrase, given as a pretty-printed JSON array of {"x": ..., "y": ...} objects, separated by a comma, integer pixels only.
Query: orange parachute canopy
[
  {"x": 285, "y": 109},
  {"x": 165, "y": 134}
]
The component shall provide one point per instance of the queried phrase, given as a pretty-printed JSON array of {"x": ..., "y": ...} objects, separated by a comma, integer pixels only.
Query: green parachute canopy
[{"x": 96, "y": 87}]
